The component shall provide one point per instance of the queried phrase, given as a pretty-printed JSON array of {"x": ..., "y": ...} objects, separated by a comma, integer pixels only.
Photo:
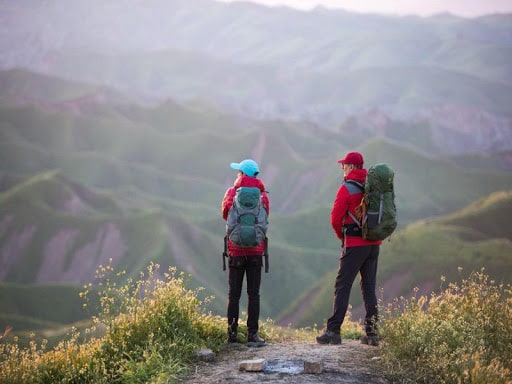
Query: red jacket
[
  {"x": 345, "y": 202},
  {"x": 227, "y": 202}
]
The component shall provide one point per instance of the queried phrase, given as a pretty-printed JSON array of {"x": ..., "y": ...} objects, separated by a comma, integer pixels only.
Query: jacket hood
[
  {"x": 358, "y": 174},
  {"x": 247, "y": 181}
]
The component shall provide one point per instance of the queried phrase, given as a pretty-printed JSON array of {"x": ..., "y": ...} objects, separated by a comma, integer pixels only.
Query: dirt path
[{"x": 350, "y": 362}]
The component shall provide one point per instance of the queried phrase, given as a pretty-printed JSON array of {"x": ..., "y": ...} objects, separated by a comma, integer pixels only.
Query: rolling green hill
[{"x": 39, "y": 306}]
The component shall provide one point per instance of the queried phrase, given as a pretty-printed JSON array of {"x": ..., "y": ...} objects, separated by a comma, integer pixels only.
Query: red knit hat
[{"x": 354, "y": 158}]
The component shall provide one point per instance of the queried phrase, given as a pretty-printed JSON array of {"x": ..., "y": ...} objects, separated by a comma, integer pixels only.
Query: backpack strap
[
  {"x": 353, "y": 187},
  {"x": 349, "y": 183}
]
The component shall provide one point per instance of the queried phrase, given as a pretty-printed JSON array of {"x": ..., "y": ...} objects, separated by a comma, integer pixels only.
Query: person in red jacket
[
  {"x": 246, "y": 261},
  {"x": 358, "y": 255}
]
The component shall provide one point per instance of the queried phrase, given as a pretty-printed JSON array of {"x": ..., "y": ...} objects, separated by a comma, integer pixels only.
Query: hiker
[
  {"x": 358, "y": 255},
  {"x": 246, "y": 260}
]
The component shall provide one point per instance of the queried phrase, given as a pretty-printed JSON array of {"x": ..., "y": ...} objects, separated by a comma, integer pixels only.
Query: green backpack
[
  {"x": 376, "y": 215},
  {"x": 247, "y": 221}
]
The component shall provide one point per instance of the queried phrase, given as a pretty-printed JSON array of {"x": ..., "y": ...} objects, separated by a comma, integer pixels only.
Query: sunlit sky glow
[{"x": 465, "y": 8}]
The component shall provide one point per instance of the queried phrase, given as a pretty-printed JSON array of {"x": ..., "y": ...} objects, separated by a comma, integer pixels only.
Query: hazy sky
[{"x": 466, "y": 8}]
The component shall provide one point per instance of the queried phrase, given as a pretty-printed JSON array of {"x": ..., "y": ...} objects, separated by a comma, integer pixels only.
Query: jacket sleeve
[
  {"x": 227, "y": 202},
  {"x": 339, "y": 210}
]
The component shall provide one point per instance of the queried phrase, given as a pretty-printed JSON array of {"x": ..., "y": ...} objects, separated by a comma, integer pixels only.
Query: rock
[
  {"x": 255, "y": 365},
  {"x": 314, "y": 367},
  {"x": 206, "y": 354}
]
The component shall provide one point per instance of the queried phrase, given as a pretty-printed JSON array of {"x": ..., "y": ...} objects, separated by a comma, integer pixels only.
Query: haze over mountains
[
  {"x": 322, "y": 65},
  {"x": 118, "y": 122}
]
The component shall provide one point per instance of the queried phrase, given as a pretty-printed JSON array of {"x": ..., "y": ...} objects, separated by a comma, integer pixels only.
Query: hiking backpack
[
  {"x": 247, "y": 221},
  {"x": 376, "y": 214}
]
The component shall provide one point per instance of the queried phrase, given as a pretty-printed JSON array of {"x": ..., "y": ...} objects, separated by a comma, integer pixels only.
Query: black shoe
[
  {"x": 329, "y": 337},
  {"x": 253, "y": 340},
  {"x": 232, "y": 336},
  {"x": 370, "y": 340}
]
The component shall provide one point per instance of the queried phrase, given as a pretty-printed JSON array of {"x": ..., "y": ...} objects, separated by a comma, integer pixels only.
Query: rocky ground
[{"x": 350, "y": 362}]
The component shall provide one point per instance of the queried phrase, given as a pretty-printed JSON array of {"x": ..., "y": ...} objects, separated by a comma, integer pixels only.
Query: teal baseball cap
[{"x": 247, "y": 166}]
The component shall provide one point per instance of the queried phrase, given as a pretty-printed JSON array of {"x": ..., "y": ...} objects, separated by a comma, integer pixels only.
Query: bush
[
  {"x": 462, "y": 335},
  {"x": 152, "y": 329}
]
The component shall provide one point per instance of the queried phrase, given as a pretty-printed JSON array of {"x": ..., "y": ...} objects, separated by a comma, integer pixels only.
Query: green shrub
[
  {"x": 156, "y": 325},
  {"x": 462, "y": 335},
  {"x": 69, "y": 362},
  {"x": 152, "y": 329}
]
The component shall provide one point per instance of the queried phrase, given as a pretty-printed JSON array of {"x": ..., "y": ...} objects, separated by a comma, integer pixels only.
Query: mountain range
[{"x": 322, "y": 65}]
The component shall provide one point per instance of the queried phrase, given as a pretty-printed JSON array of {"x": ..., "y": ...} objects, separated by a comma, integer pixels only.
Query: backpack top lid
[
  {"x": 247, "y": 166},
  {"x": 247, "y": 197},
  {"x": 380, "y": 177}
]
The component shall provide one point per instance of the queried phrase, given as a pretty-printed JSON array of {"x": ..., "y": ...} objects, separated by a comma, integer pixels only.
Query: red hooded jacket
[
  {"x": 227, "y": 202},
  {"x": 346, "y": 202}
]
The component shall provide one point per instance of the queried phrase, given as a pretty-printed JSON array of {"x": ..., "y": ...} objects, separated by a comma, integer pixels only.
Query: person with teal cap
[
  {"x": 246, "y": 261},
  {"x": 248, "y": 167}
]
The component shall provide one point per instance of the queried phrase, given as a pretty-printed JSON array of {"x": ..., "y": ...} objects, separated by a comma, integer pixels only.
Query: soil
[{"x": 350, "y": 362}]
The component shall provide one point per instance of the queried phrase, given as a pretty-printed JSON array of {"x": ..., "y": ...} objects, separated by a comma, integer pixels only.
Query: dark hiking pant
[
  {"x": 354, "y": 260},
  {"x": 238, "y": 267}
]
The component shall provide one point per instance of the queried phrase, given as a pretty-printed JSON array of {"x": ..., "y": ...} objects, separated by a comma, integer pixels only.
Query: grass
[{"x": 462, "y": 335}]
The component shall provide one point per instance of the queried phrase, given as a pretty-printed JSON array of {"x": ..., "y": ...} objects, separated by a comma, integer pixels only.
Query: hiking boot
[
  {"x": 253, "y": 340},
  {"x": 329, "y": 337},
  {"x": 370, "y": 340},
  {"x": 232, "y": 336}
]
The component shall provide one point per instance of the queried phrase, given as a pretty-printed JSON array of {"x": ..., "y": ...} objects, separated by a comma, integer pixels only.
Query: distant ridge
[{"x": 271, "y": 62}]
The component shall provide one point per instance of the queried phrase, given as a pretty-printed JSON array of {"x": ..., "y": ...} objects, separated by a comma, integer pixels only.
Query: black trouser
[
  {"x": 238, "y": 266},
  {"x": 356, "y": 260}
]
